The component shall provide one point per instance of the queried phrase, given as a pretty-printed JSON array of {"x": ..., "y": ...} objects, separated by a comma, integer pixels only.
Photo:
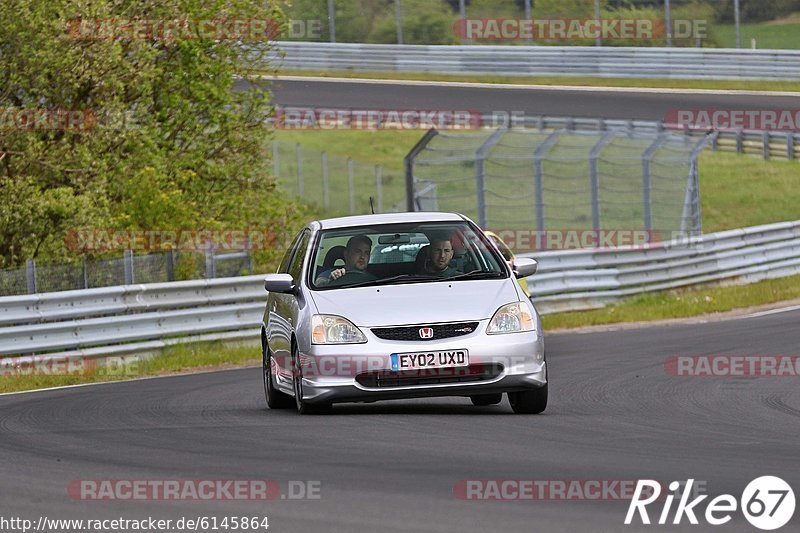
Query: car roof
[{"x": 389, "y": 218}]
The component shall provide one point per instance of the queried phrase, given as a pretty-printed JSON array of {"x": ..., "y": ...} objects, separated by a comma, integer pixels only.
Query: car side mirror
[
  {"x": 279, "y": 283},
  {"x": 524, "y": 267}
]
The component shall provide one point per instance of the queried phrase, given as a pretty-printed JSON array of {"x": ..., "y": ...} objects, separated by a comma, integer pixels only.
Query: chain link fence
[
  {"x": 129, "y": 269},
  {"x": 556, "y": 179},
  {"x": 337, "y": 184}
]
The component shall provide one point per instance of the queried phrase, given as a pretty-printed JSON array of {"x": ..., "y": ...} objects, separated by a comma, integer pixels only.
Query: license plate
[{"x": 434, "y": 359}]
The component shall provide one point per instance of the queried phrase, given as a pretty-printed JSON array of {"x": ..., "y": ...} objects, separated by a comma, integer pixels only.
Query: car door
[{"x": 283, "y": 309}]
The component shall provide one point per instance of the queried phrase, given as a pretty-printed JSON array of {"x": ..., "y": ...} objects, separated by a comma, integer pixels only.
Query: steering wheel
[{"x": 352, "y": 276}]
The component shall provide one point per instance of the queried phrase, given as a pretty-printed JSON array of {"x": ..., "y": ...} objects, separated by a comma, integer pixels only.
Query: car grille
[
  {"x": 411, "y": 333},
  {"x": 430, "y": 376}
]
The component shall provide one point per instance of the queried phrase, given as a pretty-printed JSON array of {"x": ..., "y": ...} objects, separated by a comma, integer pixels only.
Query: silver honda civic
[{"x": 401, "y": 305}]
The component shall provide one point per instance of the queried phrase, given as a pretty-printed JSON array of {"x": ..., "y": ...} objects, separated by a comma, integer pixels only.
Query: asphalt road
[
  {"x": 616, "y": 104},
  {"x": 614, "y": 414}
]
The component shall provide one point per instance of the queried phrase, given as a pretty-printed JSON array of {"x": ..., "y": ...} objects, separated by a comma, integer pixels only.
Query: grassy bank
[
  {"x": 173, "y": 359},
  {"x": 680, "y": 304}
]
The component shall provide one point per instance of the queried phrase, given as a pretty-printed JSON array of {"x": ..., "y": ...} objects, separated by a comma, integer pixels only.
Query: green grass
[
  {"x": 679, "y": 304},
  {"x": 735, "y": 190},
  {"x": 173, "y": 359},
  {"x": 581, "y": 81},
  {"x": 776, "y": 34}
]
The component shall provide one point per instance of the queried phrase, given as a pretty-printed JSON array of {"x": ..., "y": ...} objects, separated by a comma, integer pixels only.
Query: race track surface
[
  {"x": 613, "y": 104},
  {"x": 614, "y": 414}
]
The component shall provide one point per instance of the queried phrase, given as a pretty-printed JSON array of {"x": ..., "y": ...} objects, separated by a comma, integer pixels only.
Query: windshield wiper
[
  {"x": 476, "y": 274},
  {"x": 393, "y": 279}
]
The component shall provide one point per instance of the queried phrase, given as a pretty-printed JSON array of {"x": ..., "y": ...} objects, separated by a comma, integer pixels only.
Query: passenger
[
  {"x": 440, "y": 253},
  {"x": 356, "y": 260}
]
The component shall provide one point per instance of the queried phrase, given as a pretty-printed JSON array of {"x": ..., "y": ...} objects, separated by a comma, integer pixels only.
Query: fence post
[
  {"x": 379, "y": 183},
  {"x": 765, "y": 145},
  {"x": 647, "y": 202},
  {"x": 326, "y": 201},
  {"x": 739, "y": 141},
  {"x": 300, "y": 170},
  {"x": 85, "y": 272},
  {"x": 595, "y": 178},
  {"x": 351, "y": 187},
  {"x": 408, "y": 166},
  {"x": 30, "y": 275},
  {"x": 211, "y": 263},
  {"x": 539, "y": 176},
  {"x": 171, "y": 265},
  {"x": 127, "y": 264},
  {"x": 790, "y": 145},
  {"x": 275, "y": 165},
  {"x": 480, "y": 176}
]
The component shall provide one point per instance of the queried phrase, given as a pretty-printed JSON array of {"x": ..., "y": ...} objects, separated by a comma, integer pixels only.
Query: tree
[{"x": 160, "y": 140}]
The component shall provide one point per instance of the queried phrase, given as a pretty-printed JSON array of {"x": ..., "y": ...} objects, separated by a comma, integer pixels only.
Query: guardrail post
[
  {"x": 325, "y": 193},
  {"x": 765, "y": 138},
  {"x": 739, "y": 142},
  {"x": 211, "y": 263},
  {"x": 275, "y": 158},
  {"x": 84, "y": 272},
  {"x": 351, "y": 186},
  {"x": 127, "y": 265},
  {"x": 790, "y": 146},
  {"x": 30, "y": 275},
  {"x": 299, "y": 150}
]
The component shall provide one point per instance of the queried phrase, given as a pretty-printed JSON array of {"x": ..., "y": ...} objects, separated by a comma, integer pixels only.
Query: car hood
[{"x": 417, "y": 303}]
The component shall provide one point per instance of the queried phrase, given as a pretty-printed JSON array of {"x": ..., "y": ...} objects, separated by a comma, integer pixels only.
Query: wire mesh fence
[
  {"x": 563, "y": 179},
  {"x": 337, "y": 184},
  {"x": 127, "y": 270}
]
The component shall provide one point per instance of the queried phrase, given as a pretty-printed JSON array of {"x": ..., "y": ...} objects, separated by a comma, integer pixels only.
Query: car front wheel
[
  {"x": 303, "y": 407},
  {"x": 529, "y": 402},
  {"x": 275, "y": 398}
]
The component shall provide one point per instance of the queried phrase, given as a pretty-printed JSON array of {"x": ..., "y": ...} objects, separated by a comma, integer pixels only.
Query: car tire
[
  {"x": 482, "y": 400},
  {"x": 275, "y": 398},
  {"x": 303, "y": 407},
  {"x": 529, "y": 402}
]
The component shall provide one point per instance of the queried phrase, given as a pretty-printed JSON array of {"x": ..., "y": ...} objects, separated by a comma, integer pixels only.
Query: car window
[
  {"x": 507, "y": 254},
  {"x": 284, "y": 266},
  {"x": 402, "y": 253},
  {"x": 296, "y": 265}
]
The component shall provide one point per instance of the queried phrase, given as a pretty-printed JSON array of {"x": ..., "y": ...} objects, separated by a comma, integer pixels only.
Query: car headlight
[
  {"x": 332, "y": 329},
  {"x": 511, "y": 318}
]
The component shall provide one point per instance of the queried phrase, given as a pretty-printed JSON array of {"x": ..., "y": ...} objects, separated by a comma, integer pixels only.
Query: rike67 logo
[{"x": 767, "y": 503}]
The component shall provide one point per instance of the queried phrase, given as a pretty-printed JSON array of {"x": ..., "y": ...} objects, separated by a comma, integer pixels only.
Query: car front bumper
[{"x": 330, "y": 372}]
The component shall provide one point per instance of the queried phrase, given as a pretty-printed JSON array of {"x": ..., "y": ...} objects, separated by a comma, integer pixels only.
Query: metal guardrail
[
  {"x": 144, "y": 318},
  {"x": 615, "y": 62}
]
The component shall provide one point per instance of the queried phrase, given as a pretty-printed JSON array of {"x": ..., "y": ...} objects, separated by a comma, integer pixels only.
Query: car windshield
[{"x": 419, "y": 252}]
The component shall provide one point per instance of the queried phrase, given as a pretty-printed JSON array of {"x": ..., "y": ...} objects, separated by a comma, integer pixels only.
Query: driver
[
  {"x": 356, "y": 259},
  {"x": 439, "y": 255}
]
